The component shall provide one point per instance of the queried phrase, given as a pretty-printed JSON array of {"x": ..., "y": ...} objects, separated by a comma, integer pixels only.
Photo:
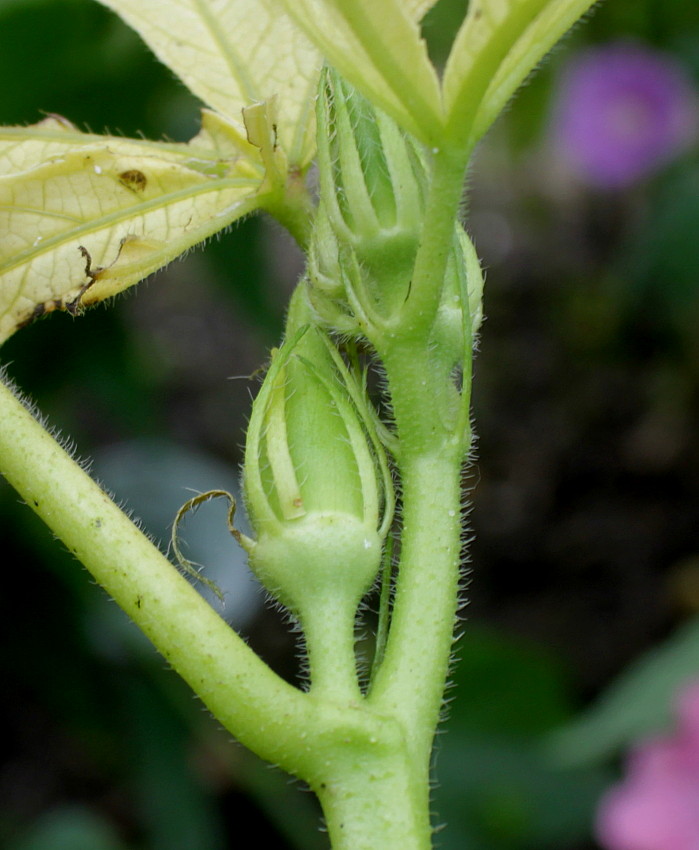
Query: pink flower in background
[
  {"x": 657, "y": 805},
  {"x": 623, "y": 110}
]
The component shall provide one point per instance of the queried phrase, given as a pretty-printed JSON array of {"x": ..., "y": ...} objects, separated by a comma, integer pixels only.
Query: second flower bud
[{"x": 317, "y": 485}]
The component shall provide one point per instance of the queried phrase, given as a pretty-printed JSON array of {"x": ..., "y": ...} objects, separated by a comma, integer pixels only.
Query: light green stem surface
[
  {"x": 262, "y": 710},
  {"x": 410, "y": 681},
  {"x": 444, "y": 196},
  {"x": 328, "y": 629},
  {"x": 379, "y": 801}
]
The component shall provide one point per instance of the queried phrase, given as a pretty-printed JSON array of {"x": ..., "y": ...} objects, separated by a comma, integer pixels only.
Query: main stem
[
  {"x": 376, "y": 800},
  {"x": 409, "y": 684}
]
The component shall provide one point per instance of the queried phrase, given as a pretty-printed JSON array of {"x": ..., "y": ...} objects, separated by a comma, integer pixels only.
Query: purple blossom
[
  {"x": 622, "y": 110},
  {"x": 657, "y": 806}
]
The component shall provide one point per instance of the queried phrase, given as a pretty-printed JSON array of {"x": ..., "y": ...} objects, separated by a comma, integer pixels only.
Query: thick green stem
[
  {"x": 374, "y": 798},
  {"x": 428, "y": 412},
  {"x": 374, "y": 808},
  {"x": 410, "y": 682},
  {"x": 260, "y": 709}
]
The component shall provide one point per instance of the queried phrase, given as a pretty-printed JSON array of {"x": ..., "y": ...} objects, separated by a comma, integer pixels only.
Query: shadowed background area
[{"x": 584, "y": 205}]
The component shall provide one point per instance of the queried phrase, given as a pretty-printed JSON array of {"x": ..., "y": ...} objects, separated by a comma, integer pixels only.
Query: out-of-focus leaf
[
  {"x": 495, "y": 792},
  {"x": 506, "y": 687},
  {"x": 84, "y": 217},
  {"x": 498, "y": 44},
  {"x": 68, "y": 829},
  {"x": 377, "y": 46},
  {"x": 233, "y": 53},
  {"x": 660, "y": 271},
  {"x": 177, "y": 808},
  {"x": 294, "y": 813},
  {"x": 6, "y": 5},
  {"x": 496, "y": 786},
  {"x": 637, "y": 704}
]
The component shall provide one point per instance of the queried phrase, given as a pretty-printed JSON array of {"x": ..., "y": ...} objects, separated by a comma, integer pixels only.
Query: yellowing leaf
[
  {"x": 377, "y": 46},
  {"x": 212, "y": 150},
  {"x": 232, "y": 53},
  {"x": 84, "y": 217},
  {"x": 548, "y": 27},
  {"x": 21, "y": 147}
]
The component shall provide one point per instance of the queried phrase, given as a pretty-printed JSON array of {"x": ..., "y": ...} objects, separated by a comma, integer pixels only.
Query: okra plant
[{"x": 345, "y": 490}]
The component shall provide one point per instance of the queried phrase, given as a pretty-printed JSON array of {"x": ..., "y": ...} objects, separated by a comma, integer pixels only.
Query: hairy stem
[
  {"x": 328, "y": 627},
  {"x": 433, "y": 439},
  {"x": 446, "y": 186},
  {"x": 375, "y": 800},
  {"x": 258, "y": 707},
  {"x": 409, "y": 684}
]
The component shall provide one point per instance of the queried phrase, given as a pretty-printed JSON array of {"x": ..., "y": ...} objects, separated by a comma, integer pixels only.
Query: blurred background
[{"x": 583, "y": 590}]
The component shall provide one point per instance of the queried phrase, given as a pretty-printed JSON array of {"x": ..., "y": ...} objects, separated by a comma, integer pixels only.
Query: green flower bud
[
  {"x": 340, "y": 291},
  {"x": 372, "y": 188},
  {"x": 463, "y": 284},
  {"x": 317, "y": 485},
  {"x": 454, "y": 330}
]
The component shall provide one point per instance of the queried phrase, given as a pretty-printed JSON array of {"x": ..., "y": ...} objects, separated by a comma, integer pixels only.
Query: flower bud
[
  {"x": 463, "y": 285},
  {"x": 317, "y": 485},
  {"x": 372, "y": 187}
]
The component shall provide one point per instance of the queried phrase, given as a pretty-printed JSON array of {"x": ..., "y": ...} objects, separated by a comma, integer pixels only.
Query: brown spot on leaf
[
  {"x": 133, "y": 179},
  {"x": 37, "y": 312}
]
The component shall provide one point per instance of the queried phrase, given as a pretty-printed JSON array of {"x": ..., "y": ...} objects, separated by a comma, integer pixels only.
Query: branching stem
[{"x": 236, "y": 685}]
